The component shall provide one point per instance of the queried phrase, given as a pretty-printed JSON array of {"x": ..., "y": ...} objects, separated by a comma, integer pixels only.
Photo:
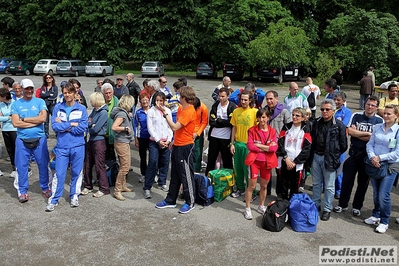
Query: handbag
[
  {"x": 31, "y": 143},
  {"x": 376, "y": 172}
]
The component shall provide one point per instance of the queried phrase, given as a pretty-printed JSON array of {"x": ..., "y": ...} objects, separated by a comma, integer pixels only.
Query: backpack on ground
[
  {"x": 303, "y": 212},
  {"x": 112, "y": 168},
  {"x": 204, "y": 190},
  {"x": 311, "y": 100},
  {"x": 276, "y": 215},
  {"x": 223, "y": 182}
]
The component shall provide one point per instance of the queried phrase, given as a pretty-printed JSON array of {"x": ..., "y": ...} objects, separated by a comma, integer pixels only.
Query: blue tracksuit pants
[
  {"x": 75, "y": 156},
  {"x": 22, "y": 159}
]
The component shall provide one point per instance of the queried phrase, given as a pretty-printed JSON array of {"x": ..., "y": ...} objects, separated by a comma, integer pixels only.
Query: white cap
[{"x": 25, "y": 83}]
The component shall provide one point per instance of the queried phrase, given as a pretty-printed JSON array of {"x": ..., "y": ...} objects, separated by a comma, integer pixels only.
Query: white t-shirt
[
  {"x": 307, "y": 90},
  {"x": 221, "y": 132}
]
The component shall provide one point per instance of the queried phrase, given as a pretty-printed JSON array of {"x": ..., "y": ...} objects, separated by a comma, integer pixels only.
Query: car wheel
[
  {"x": 77, "y": 73},
  {"x": 50, "y": 72},
  {"x": 27, "y": 72},
  {"x": 280, "y": 79},
  {"x": 87, "y": 75},
  {"x": 104, "y": 73},
  {"x": 13, "y": 74},
  {"x": 112, "y": 72},
  {"x": 61, "y": 75}
]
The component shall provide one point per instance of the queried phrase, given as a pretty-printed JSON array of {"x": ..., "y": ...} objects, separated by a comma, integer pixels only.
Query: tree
[
  {"x": 284, "y": 45},
  {"x": 225, "y": 27},
  {"x": 365, "y": 38}
]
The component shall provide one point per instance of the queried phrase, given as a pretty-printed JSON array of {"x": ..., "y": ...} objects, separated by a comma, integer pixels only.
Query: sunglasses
[
  {"x": 164, "y": 82},
  {"x": 48, "y": 77},
  {"x": 296, "y": 115},
  {"x": 119, "y": 79},
  {"x": 325, "y": 109}
]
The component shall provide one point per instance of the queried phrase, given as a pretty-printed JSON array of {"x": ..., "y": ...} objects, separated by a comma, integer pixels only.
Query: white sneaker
[
  {"x": 261, "y": 209},
  {"x": 381, "y": 228},
  {"x": 13, "y": 174},
  {"x": 301, "y": 189},
  {"x": 147, "y": 194},
  {"x": 30, "y": 173},
  {"x": 85, "y": 191},
  {"x": 248, "y": 214},
  {"x": 1, "y": 173},
  {"x": 74, "y": 203},
  {"x": 372, "y": 220},
  {"x": 142, "y": 179},
  {"x": 98, "y": 194}
]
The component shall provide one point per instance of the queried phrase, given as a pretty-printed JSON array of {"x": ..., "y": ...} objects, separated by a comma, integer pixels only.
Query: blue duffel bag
[{"x": 303, "y": 213}]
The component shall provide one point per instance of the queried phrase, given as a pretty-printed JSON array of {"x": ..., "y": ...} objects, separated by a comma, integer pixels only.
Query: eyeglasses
[
  {"x": 325, "y": 109},
  {"x": 48, "y": 77},
  {"x": 99, "y": 82},
  {"x": 296, "y": 115},
  {"x": 371, "y": 105}
]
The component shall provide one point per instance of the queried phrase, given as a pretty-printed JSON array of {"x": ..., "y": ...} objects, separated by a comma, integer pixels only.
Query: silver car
[
  {"x": 99, "y": 67},
  {"x": 71, "y": 68},
  {"x": 152, "y": 68},
  {"x": 45, "y": 66}
]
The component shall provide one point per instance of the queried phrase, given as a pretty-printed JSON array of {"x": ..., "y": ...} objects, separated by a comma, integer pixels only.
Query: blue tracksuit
[
  {"x": 24, "y": 109},
  {"x": 140, "y": 124},
  {"x": 70, "y": 148}
]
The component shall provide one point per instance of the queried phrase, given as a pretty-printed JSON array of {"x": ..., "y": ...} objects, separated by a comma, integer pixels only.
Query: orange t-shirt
[
  {"x": 186, "y": 117},
  {"x": 201, "y": 119}
]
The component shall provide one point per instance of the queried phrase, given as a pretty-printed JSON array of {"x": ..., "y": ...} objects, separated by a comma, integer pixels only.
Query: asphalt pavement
[{"x": 106, "y": 231}]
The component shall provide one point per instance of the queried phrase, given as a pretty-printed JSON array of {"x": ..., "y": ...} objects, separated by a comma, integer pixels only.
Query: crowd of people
[{"x": 250, "y": 131}]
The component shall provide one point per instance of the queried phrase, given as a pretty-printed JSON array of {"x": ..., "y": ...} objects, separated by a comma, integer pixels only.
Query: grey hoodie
[{"x": 122, "y": 136}]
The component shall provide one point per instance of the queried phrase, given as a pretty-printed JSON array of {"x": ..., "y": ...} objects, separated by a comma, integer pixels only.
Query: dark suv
[
  {"x": 234, "y": 71},
  {"x": 206, "y": 70},
  {"x": 289, "y": 72},
  {"x": 23, "y": 66}
]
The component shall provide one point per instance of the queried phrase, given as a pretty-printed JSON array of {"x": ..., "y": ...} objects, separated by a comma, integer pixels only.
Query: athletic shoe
[
  {"x": 261, "y": 209},
  {"x": 356, "y": 212},
  {"x": 339, "y": 209},
  {"x": 248, "y": 214},
  {"x": 381, "y": 228},
  {"x": 163, "y": 188},
  {"x": 8, "y": 159},
  {"x": 163, "y": 205},
  {"x": 147, "y": 194},
  {"x": 30, "y": 173},
  {"x": 1, "y": 173},
  {"x": 46, "y": 193},
  {"x": 142, "y": 179},
  {"x": 301, "y": 189},
  {"x": 372, "y": 220},
  {"x": 86, "y": 191},
  {"x": 397, "y": 220},
  {"x": 186, "y": 208},
  {"x": 74, "y": 203},
  {"x": 238, "y": 193},
  {"x": 23, "y": 198},
  {"x": 337, "y": 196},
  {"x": 13, "y": 174},
  {"x": 156, "y": 179},
  {"x": 98, "y": 194},
  {"x": 50, "y": 207}
]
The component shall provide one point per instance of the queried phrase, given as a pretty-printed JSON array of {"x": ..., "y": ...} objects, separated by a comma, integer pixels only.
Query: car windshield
[
  {"x": 42, "y": 62},
  {"x": 150, "y": 64},
  {"x": 14, "y": 63},
  {"x": 63, "y": 64},
  {"x": 93, "y": 63},
  {"x": 205, "y": 65}
]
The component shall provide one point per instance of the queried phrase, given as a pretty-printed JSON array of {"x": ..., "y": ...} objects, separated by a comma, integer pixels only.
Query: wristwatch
[
  {"x": 285, "y": 157},
  {"x": 165, "y": 115},
  {"x": 126, "y": 129}
]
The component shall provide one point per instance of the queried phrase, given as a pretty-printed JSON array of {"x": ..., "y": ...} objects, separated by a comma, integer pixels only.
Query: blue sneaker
[
  {"x": 186, "y": 208},
  {"x": 163, "y": 204}
]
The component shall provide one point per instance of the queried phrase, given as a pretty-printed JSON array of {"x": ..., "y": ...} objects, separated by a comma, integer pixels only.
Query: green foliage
[
  {"x": 365, "y": 38},
  {"x": 325, "y": 66},
  {"x": 284, "y": 45}
]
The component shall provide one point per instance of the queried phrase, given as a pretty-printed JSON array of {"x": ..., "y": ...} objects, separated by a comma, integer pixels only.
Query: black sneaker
[{"x": 238, "y": 193}]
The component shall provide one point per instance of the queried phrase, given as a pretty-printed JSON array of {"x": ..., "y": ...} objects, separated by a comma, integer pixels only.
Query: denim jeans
[
  {"x": 320, "y": 174},
  {"x": 158, "y": 158},
  {"x": 382, "y": 198}
]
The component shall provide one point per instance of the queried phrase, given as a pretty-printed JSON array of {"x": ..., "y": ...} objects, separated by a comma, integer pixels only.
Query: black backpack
[
  {"x": 112, "y": 168},
  {"x": 311, "y": 100},
  {"x": 276, "y": 215}
]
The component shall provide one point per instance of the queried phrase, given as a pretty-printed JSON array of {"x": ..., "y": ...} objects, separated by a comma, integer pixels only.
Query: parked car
[
  {"x": 206, "y": 69},
  {"x": 46, "y": 66},
  {"x": 23, "y": 66},
  {"x": 4, "y": 62},
  {"x": 234, "y": 71},
  {"x": 152, "y": 68},
  {"x": 71, "y": 67},
  {"x": 289, "y": 73},
  {"x": 99, "y": 67}
]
